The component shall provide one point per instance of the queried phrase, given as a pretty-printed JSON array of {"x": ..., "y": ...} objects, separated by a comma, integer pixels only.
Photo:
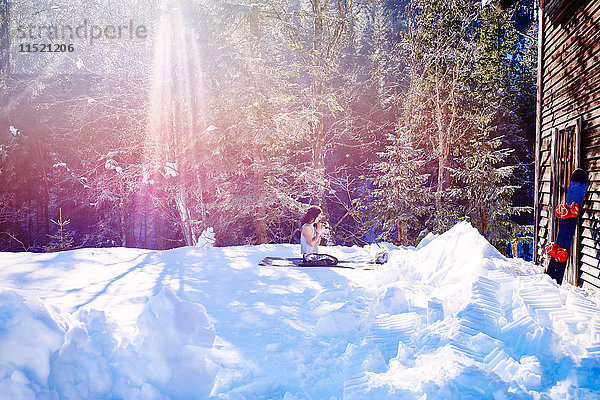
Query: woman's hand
[{"x": 319, "y": 228}]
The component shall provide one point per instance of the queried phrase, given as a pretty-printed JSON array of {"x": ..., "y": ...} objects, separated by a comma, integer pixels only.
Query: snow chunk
[
  {"x": 435, "y": 311},
  {"x": 459, "y": 252},
  {"x": 28, "y": 337},
  {"x": 207, "y": 238},
  {"x": 392, "y": 301},
  {"x": 112, "y": 164},
  {"x": 426, "y": 240},
  {"x": 16, "y": 386},
  {"x": 167, "y": 358},
  {"x": 171, "y": 169},
  {"x": 337, "y": 323},
  {"x": 453, "y": 261},
  {"x": 170, "y": 352},
  {"x": 530, "y": 372},
  {"x": 82, "y": 368}
]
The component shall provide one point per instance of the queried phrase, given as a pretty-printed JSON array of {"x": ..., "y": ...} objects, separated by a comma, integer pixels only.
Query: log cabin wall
[{"x": 568, "y": 127}]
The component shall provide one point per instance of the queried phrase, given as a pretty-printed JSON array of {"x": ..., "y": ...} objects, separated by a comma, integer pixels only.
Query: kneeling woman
[{"x": 311, "y": 230}]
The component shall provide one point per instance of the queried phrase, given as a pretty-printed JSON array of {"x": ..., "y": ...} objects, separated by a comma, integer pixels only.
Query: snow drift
[
  {"x": 449, "y": 319},
  {"x": 44, "y": 358}
]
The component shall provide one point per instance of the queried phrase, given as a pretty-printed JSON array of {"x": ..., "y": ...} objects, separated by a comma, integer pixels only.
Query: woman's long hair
[{"x": 311, "y": 214}]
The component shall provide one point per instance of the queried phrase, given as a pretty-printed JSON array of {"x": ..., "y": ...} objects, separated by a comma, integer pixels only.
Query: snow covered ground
[{"x": 449, "y": 319}]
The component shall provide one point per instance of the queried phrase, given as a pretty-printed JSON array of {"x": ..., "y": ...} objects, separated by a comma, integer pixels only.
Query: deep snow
[{"x": 449, "y": 319}]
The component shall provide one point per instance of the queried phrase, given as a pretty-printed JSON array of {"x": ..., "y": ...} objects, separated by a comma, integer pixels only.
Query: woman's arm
[{"x": 307, "y": 233}]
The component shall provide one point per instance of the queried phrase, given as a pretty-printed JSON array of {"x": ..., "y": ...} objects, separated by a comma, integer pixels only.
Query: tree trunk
[
  {"x": 122, "y": 226},
  {"x": 145, "y": 222},
  {"x": 402, "y": 228},
  {"x": 442, "y": 152},
  {"x": 482, "y": 207},
  {"x": 130, "y": 239},
  {"x": 318, "y": 162},
  {"x": 46, "y": 197},
  {"x": 184, "y": 216},
  {"x": 441, "y": 179},
  {"x": 260, "y": 219},
  {"x": 318, "y": 149},
  {"x": 260, "y": 226}
]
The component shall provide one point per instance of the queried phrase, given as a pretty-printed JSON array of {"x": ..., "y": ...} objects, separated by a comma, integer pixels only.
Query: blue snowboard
[{"x": 566, "y": 227}]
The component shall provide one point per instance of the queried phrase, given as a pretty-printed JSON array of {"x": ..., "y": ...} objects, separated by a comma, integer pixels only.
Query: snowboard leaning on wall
[{"x": 568, "y": 216}]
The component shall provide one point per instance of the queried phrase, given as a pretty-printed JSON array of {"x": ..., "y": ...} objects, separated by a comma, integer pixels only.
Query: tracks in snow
[
  {"x": 379, "y": 346},
  {"x": 508, "y": 328}
]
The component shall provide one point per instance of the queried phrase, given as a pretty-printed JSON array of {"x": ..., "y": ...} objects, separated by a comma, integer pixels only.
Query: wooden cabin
[{"x": 568, "y": 129}]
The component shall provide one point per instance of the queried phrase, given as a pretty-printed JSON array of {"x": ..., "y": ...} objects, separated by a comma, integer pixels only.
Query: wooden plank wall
[{"x": 571, "y": 89}]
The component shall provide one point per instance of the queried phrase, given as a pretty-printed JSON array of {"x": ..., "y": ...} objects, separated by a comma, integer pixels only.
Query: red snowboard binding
[
  {"x": 564, "y": 211},
  {"x": 554, "y": 251}
]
